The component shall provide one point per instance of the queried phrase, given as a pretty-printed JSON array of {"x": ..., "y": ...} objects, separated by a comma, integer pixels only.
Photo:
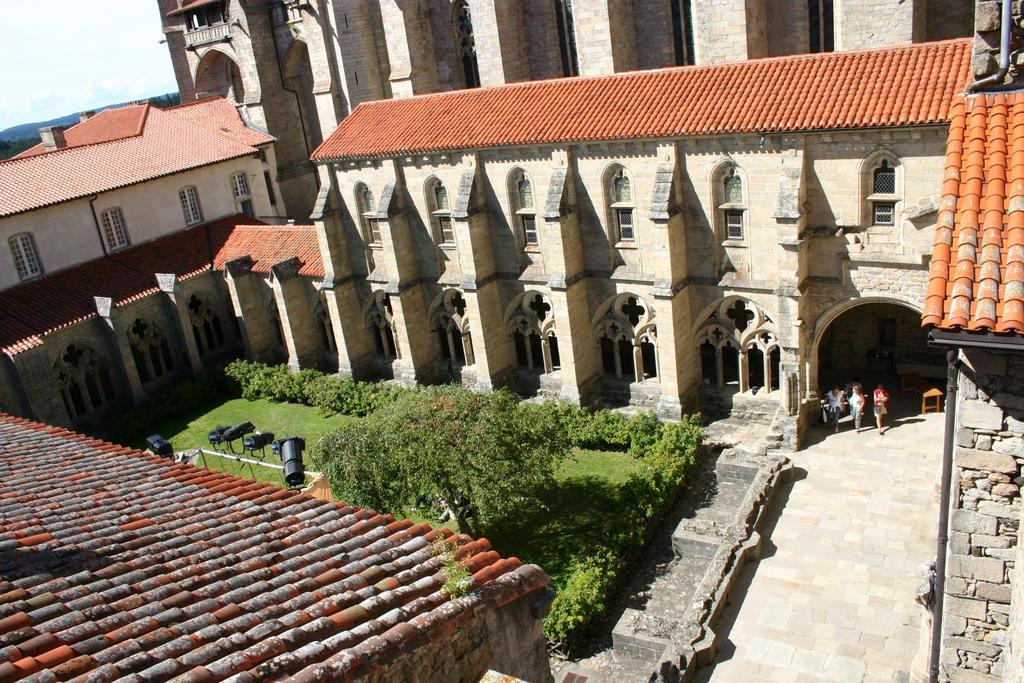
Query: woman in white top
[
  {"x": 857, "y": 401},
  {"x": 836, "y": 401}
]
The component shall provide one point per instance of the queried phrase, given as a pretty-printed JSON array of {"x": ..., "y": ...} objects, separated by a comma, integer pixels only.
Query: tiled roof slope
[
  {"x": 168, "y": 143},
  {"x": 976, "y": 281},
  {"x": 218, "y": 114},
  {"x": 898, "y": 86},
  {"x": 118, "y": 565},
  {"x": 107, "y": 125},
  {"x": 35, "y": 308}
]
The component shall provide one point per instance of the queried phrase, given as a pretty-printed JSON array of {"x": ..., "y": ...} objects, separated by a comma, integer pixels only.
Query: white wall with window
[
  {"x": 65, "y": 234},
  {"x": 26, "y": 258},
  {"x": 190, "y": 206},
  {"x": 243, "y": 197}
]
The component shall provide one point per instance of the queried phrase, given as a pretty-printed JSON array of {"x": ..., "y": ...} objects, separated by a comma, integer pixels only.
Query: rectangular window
[
  {"x": 190, "y": 205},
  {"x": 240, "y": 185},
  {"x": 373, "y": 227},
  {"x": 624, "y": 218},
  {"x": 447, "y": 231},
  {"x": 682, "y": 32},
  {"x": 734, "y": 225},
  {"x": 529, "y": 229},
  {"x": 821, "y": 26},
  {"x": 884, "y": 213},
  {"x": 270, "y": 187},
  {"x": 23, "y": 249},
  {"x": 113, "y": 229}
]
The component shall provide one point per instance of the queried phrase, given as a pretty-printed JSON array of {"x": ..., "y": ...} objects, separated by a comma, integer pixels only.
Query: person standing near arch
[{"x": 881, "y": 398}]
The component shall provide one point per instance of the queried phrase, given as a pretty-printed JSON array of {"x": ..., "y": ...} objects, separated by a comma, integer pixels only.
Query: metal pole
[{"x": 952, "y": 380}]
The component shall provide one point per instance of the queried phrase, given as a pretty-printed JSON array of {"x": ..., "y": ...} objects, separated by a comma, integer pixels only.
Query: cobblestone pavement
[{"x": 832, "y": 598}]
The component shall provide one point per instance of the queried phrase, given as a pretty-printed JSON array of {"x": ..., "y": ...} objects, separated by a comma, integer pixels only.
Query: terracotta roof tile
[
  {"x": 896, "y": 86},
  {"x": 106, "y": 152},
  {"x": 33, "y": 309},
  {"x": 209, "y": 596},
  {"x": 976, "y": 279}
]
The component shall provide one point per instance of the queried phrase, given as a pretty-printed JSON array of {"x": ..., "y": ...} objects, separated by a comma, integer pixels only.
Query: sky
[{"x": 74, "y": 56}]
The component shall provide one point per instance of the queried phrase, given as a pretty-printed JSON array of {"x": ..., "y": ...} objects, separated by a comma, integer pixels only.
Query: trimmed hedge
[{"x": 666, "y": 453}]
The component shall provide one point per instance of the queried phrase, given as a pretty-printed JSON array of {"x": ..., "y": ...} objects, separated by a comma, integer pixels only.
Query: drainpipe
[
  {"x": 96, "y": 222},
  {"x": 952, "y": 381},
  {"x": 1004, "y": 51}
]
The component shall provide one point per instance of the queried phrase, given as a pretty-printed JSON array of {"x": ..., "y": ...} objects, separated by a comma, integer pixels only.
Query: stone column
[
  {"x": 117, "y": 338},
  {"x": 334, "y": 230},
  {"x": 666, "y": 260},
  {"x": 605, "y": 39},
  {"x": 169, "y": 285},
  {"x": 397, "y": 261},
  {"x": 297, "y": 320},
  {"x": 562, "y": 250},
  {"x": 247, "y": 302},
  {"x": 493, "y": 355},
  {"x": 410, "y": 47},
  {"x": 500, "y": 43}
]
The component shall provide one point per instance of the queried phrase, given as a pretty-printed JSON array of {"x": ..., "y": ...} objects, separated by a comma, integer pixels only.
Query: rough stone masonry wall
[
  {"x": 987, "y": 24},
  {"x": 985, "y": 517}
]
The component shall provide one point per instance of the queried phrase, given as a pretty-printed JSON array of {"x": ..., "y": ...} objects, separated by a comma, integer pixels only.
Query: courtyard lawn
[
  {"x": 581, "y": 510},
  {"x": 283, "y": 419}
]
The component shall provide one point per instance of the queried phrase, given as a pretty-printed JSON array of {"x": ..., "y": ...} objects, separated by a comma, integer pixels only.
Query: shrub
[
  {"x": 583, "y": 601},
  {"x": 471, "y": 449}
]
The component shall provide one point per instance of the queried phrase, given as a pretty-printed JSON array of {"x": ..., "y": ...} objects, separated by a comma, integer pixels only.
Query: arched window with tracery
[
  {"x": 738, "y": 348},
  {"x": 465, "y": 44},
  {"x": 566, "y": 37},
  {"x": 150, "y": 349},
  {"x": 733, "y": 205},
  {"x": 84, "y": 380},
  {"x": 207, "y": 329},
  {"x": 368, "y": 214},
  {"x": 883, "y": 196},
  {"x": 628, "y": 339},
  {"x": 381, "y": 319},
  {"x": 448, "y": 320},
  {"x": 620, "y": 206},
  {"x": 532, "y": 327},
  {"x": 524, "y": 209},
  {"x": 440, "y": 212}
]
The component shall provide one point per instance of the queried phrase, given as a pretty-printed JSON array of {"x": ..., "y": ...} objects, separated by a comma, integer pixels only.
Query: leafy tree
[{"x": 477, "y": 451}]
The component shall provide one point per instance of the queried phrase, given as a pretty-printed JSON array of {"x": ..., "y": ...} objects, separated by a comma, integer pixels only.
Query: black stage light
[
  {"x": 160, "y": 446},
  {"x": 216, "y": 435},
  {"x": 291, "y": 456},
  {"x": 238, "y": 431}
]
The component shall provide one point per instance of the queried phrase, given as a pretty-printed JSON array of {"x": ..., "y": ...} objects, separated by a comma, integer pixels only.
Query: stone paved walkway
[{"x": 832, "y": 599}]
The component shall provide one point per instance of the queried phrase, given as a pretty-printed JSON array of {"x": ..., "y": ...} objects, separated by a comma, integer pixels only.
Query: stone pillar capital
[
  {"x": 239, "y": 266},
  {"x": 287, "y": 269}
]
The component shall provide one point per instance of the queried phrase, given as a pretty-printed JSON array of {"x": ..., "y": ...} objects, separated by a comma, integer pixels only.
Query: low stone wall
[{"x": 985, "y": 518}]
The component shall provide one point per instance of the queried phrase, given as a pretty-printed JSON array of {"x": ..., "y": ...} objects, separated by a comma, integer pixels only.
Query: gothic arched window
[
  {"x": 206, "y": 325},
  {"x": 368, "y": 214},
  {"x": 524, "y": 209},
  {"x": 620, "y": 192},
  {"x": 150, "y": 350},
  {"x": 627, "y": 337},
  {"x": 440, "y": 212},
  {"x": 566, "y": 37},
  {"x": 465, "y": 44},
  {"x": 883, "y": 194},
  {"x": 84, "y": 380}
]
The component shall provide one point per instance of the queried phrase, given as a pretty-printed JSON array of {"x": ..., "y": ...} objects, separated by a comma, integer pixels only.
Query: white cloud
[{"x": 85, "y": 55}]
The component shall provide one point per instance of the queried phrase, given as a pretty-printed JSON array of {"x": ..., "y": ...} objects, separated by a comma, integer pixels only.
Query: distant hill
[{"x": 31, "y": 130}]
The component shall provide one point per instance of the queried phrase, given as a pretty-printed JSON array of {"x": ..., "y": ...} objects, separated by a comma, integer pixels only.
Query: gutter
[
  {"x": 96, "y": 222},
  {"x": 939, "y": 587},
  {"x": 1004, "y": 51}
]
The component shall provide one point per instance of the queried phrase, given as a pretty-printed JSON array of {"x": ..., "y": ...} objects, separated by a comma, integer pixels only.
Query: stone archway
[
  {"x": 875, "y": 339},
  {"x": 218, "y": 75}
]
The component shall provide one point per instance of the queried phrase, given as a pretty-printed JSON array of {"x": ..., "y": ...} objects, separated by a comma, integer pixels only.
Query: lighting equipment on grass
[
  {"x": 258, "y": 442},
  {"x": 232, "y": 434},
  {"x": 160, "y": 446},
  {"x": 216, "y": 436},
  {"x": 291, "y": 458}
]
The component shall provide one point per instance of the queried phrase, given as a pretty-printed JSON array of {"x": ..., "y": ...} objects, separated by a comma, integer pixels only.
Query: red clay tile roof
[
  {"x": 899, "y": 86},
  {"x": 38, "y": 307},
  {"x": 268, "y": 245},
  {"x": 119, "y": 565},
  {"x": 976, "y": 280},
  {"x": 170, "y": 141},
  {"x": 187, "y": 5},
  {"x": 107, "y": 125},
  {"x": 218, "y": 114}
]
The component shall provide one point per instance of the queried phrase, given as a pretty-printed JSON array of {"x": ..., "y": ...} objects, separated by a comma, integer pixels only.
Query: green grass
[
  {"x": 283, "y": 419},
  {"x": 579, "y": 511}
]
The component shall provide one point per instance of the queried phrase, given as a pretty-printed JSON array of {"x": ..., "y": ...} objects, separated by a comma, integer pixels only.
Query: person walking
[
  {"x": 836, "y": 401},
  {"x": 857, "y": 401},
  {"x": 881, "y": 398}
]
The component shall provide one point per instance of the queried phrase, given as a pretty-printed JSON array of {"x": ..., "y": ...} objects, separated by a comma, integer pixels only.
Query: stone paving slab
[{"x": 834, "y": 601}]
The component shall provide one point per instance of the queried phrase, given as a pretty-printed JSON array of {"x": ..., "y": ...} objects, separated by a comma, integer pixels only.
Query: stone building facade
[
  {"x": 297, "y": 69},
  {"x": 669, "y": 272}
]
